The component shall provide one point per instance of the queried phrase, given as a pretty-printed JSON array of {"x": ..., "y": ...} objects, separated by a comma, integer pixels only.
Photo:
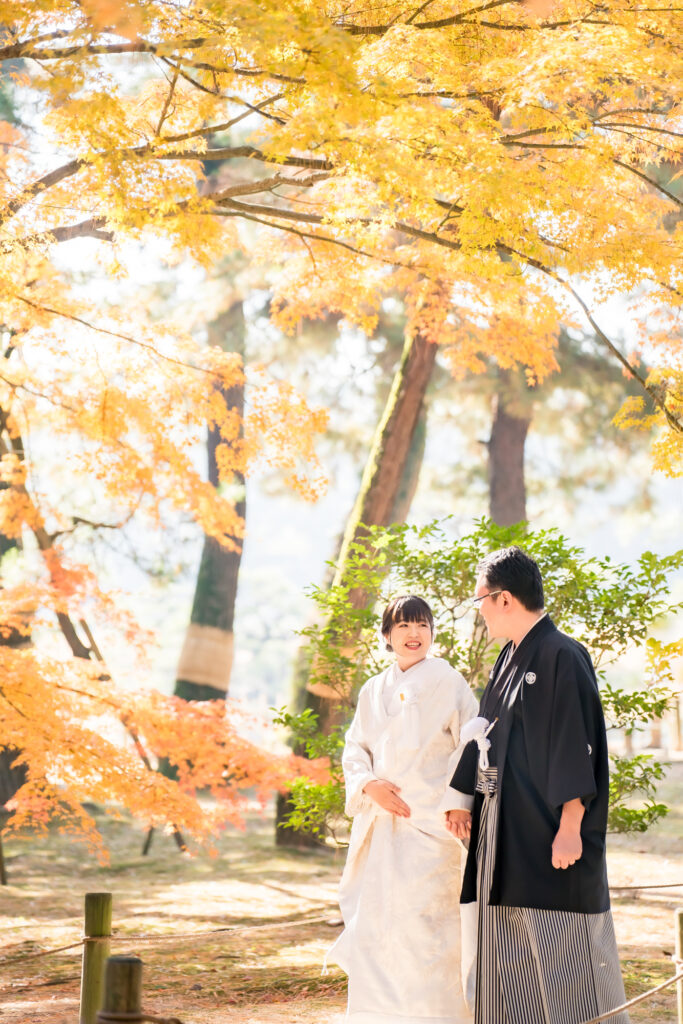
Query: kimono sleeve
[
  {"x": 576, "y": 732},
  {"x": 357, "y": 758},
  {"x": 454, "y": 797}
]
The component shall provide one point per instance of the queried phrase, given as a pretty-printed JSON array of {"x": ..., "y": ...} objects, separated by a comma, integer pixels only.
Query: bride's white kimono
[{"x": 399, "y": 894}]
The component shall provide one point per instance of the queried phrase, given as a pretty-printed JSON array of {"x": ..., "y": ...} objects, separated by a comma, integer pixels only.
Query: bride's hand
[
  {"x": 459, "y": 823},
  {"x": 386, "y": 795}
]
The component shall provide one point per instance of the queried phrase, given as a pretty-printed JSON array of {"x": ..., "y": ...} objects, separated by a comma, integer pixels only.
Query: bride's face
[{"x": 410, "y": 642}]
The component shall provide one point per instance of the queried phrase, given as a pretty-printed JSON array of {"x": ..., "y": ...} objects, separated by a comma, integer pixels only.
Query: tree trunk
[
  {"x": 385, "y": 495},
  {"x": 383, "y": 487},
  {"x": 675, "y": 719},
  {"x": 12, "y": 777},
  {"x": 206, "y": 659},
  {"x": 656, "y": 734},
  {"x": 511, "y": 421}
]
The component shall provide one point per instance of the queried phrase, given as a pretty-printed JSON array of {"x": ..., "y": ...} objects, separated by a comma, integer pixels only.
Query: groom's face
[{"x": 489, "y": 609}]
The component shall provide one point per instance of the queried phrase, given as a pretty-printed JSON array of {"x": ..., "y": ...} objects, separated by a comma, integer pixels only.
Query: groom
[{"x": 537, "y": 775}]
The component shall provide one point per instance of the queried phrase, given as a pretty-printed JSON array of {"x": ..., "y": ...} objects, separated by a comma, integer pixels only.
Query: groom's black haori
[{"x": 549, "y": 746}]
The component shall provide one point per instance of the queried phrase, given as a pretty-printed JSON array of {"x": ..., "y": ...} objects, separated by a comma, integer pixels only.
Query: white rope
[
  {"x": 168, "y": 937},
  {"x": 638, "y": 999}
]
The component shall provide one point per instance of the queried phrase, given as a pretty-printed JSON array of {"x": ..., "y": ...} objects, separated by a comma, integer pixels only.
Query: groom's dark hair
[{"x": 512, "y": 569}]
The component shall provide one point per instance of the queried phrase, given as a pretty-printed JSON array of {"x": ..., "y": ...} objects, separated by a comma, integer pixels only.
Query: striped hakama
[{"x": 539, "y": 966}]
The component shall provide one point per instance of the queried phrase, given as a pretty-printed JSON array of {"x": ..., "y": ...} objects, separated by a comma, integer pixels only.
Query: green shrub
[{"x": 610, "y": 607}]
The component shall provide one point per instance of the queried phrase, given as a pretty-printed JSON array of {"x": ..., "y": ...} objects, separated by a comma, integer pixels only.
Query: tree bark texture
[
  {"x": 11, "y": 778},
  {"x": 206, "y": 659},
  {"x": 384, "y": 489},
  {"x": 511, "y": 421}
]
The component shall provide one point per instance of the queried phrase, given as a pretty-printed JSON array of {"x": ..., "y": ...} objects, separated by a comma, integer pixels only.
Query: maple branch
[
  {"x": 513, "y": 141},
  {"x": 44, "y": 541},
  {"x": 660, "y": 402},
  {"x": 215, "y": 91},
  {"x": 317, "y": 238},
  {"x": 315, "y": 218},
  {"x": 416, "y": 13},
  {"x": 311, "y": 218},
  {"x": 618, "y": 163},
  {"x": 257, "y": 108},
  {"x": 163, "y": 49},
  {"x": 113, "y": 334},
  {"x": 28, "y": 51},
  {"x": 93, "y": 228},
  {"x": 47, "y": 181},
  {"x": 148, "y": 149},
  {"x": 18, "y": 386},
  {"x": 167, "y": 103},
  {"x": 650, "y": 181},
  {"x": 77, "y": 521},
  {"x": 640, "y": 127},
  {"x": 655, "y": 397},
  {"x": 455, "y": 19},
  {"x": 13, "y": 706}
]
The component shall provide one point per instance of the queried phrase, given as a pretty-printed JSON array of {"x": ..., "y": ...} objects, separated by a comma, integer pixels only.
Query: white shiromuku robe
[{"x": 399, "y": 894}]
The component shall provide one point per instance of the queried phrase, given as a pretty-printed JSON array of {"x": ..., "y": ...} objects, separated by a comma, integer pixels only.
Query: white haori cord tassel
[{"x": 477, "y": 729}]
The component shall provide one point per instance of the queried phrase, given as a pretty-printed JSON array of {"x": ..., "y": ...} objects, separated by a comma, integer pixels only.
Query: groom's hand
[
  {"x": 567, "y": 849},
  {"x": 459, "y": 823},
  {"x": 386, "y": 795},
  {"x": 567, "y": 845}
]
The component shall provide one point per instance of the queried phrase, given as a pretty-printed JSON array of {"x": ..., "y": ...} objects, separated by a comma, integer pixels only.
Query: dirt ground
[{"x": 279, "y": 908}]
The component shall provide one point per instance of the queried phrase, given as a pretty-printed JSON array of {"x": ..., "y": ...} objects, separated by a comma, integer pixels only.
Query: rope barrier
[
  {"x": 169, "y": 937},
  {"x": 664, "y": 885},
  {"x": 35, "y": 956},
  {"x": 214, "y": 933},
  {"x": 638, "y": 999},
  {"x": 135, "y": 1018}
]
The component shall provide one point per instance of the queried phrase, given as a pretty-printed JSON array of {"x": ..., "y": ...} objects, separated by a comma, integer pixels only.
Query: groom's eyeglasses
[{"x": 492, "y": 593}]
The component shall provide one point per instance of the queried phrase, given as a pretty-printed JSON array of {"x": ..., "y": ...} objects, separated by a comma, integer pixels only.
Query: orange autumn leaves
[
  {"x": 115, "y": 422},
  {"x": 94, "y": 742}
]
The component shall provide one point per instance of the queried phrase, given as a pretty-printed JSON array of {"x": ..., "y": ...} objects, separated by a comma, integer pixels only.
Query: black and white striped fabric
[{"x": 539, "y": 966}]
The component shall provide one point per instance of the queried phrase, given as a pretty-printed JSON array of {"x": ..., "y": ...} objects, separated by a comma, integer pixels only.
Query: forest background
[{"x": 379, "y": 264}]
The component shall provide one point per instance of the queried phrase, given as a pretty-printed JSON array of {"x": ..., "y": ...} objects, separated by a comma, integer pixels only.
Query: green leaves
[
  {"x": 634, "y": 777},
  {"x": 609, "y": 607}
]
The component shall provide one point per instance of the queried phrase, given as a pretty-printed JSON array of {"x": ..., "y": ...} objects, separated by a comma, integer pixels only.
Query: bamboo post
[
  {"x": 679, "y": 958},
  {"x": 122, "y": 991},
  {"x": 97, "y": 926}
]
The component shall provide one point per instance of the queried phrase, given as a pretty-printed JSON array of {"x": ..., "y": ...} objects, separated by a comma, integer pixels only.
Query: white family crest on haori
[
  {"x": 477, "y": 730},
  {"x": 399, "y": 895},
  {"x": 530, "y": 678}
]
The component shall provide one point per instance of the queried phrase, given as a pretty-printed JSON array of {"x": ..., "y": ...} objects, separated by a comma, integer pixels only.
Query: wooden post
[
  {"x": 4, "y": 815},
  {"x": 3, "y": 872},
  {"x": 679, "y": 958},
  {"x": 122, "y": 991},
  {"x": 97, "y": 926}
]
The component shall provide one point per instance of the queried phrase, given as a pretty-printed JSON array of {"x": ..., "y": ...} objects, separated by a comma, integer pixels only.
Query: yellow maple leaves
[{"x": 504, "y": 167}]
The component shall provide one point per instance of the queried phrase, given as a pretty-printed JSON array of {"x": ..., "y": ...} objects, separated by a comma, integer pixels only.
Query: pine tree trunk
[
  {"x": 385, "y": 495},
  {"x": 511, "y": 421},
  {"x": 206, "y": 659},
  {"x": 384, "y": 488}
]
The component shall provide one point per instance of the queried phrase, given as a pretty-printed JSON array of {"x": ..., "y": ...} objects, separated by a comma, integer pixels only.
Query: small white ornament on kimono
[
  {"x": 477, "y": 729},
  {"x": 530, "y": 678}
]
